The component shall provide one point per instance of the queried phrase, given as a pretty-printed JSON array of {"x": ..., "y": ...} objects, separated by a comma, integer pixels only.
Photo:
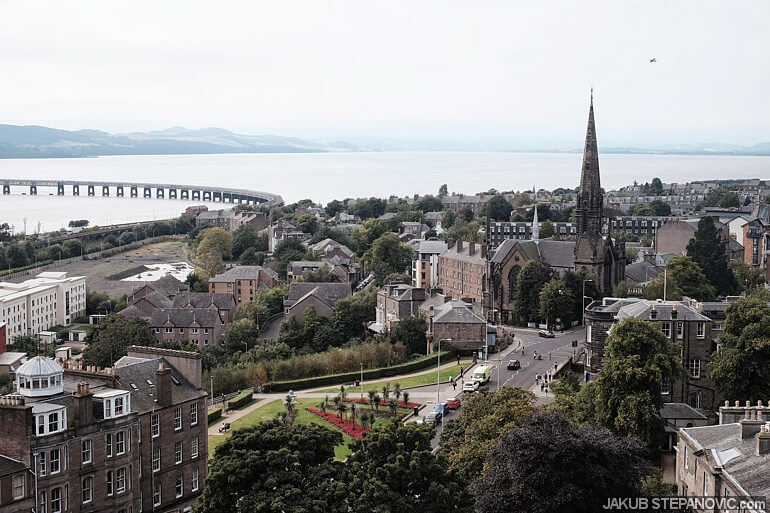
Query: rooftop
[{"x": 240, "y": 272}]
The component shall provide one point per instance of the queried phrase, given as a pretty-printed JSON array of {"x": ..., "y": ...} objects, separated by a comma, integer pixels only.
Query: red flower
[{"x": 348, "y": 426}]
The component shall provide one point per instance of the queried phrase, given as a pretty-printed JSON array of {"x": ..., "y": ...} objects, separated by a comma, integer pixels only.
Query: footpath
[{"x": 234, "y": 415}]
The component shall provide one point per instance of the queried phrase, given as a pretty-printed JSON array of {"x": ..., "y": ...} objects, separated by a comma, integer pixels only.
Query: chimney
[
  {"x": 653, "y": 313},
  {"x": 163, "y": 384},
  {"x": 84, "y": 406},
  {"x": 674, "y": 312},
  {"x": 459, "y": 245},
  {"x": 763, "y": 440},
  {"x": 751, "y": 423},
  {"x": 471, "y": 248}
]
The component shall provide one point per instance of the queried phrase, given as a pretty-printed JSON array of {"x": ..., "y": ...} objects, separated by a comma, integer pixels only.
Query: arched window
[{"x": 513, "y": 276}]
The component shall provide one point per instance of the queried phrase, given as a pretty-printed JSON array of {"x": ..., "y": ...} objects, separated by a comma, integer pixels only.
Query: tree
[
  {"x": 273, "y": 467},
  {"x": 334, "y": 207},
  {"x": 216, "y": 240},
  {"x": 367, "y": 233},
  {"x": 662, "y": 288},
  {"x": 463, "y": 230},
  {"x": 73, "y": 247},
  {"x": 498, "y": 208},
  {"x": 708, "y": 251},
  {"x": 530, "y": 281},
  {"x": 556, "y": 301},
  {"x": 449, "y": 217},
  {"x": 252, "y": 257},
  {"x": 198, "y": 281},
  {"x": 443, "y": 190},
  {"x": 16, "y": 256},
  {"x": 322, "y": 274},
  {"x": 100, "y": 303},
  {"x": 660, "y": 208},
  {"x": 466, "y": 213},
  {"x": 243, "y": 238},
  {"x": 723, "y": 196},
  {"x": 689, "y": 277},
  {"x": 748, "y": 277},
  {"x": 547, "y": 230},
  {"x": 352, "y": 313},
  {"x": 306, "y": 223},
  {"x": 522, "y": 200},
  {"x": 367, "y": 208},
  {"x": 110, "y": 338},
  {"x": 429, "y": 204},
  {"x": 288, "y": 250},
  {"x": 656, "y": 187},
  {"x": 632, "y": 254},
  {"x": 386, "y": 256},
  {"x": 549, "y": 464},
  {"x": 392, "y": 470},
  {"x": 410, "y": 331},
  {"x": 740, "y": 369},
  {"x": 240, "y": 333},
  {"x": 639, "y": 359}
]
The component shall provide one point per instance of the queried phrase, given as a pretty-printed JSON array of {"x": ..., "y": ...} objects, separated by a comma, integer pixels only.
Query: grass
[{"x": 426, "y": 378}]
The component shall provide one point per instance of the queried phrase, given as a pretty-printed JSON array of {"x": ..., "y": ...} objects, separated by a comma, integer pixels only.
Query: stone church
[{"x": 594, "y": 250}]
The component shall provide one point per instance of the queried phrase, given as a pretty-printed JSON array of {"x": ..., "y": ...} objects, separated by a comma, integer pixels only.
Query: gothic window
[{"x": 512, "y": 277}]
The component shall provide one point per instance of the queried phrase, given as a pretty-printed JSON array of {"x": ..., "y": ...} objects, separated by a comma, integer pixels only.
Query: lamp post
[
  {"x": 212, "y": 390},
  {"x": 438, "y": 371},
  {"x": 361, "y": 383},
  {"x": 583, "y": 301}
]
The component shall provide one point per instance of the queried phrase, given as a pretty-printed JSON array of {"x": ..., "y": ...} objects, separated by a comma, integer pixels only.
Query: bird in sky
[{"x": 653, "y": 60}]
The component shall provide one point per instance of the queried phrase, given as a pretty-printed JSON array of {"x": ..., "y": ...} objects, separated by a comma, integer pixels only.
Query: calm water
[{"x": 326, "y": 176}]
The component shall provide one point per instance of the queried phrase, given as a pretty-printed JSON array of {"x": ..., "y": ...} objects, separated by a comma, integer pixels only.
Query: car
[
  {"x": 514, "y": 365},
  {"x": 470, "y": 386},
  {"x": 546, "y": 334},
  {"x": 453, "y": 403},
  {"x": 442, "y": 408},
  {"x": 481, "y": 374},
  {"x": 432, "y": 417}
]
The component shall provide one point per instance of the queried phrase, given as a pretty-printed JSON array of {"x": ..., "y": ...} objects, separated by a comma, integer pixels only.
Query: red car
[{"x": 453, "y": 403}]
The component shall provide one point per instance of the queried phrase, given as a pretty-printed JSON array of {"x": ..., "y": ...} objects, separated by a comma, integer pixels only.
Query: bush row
[
  {"x": 337, "y": 379},
  {"x": 215, "y": 415},
  {"x": 236, "y": 403}
]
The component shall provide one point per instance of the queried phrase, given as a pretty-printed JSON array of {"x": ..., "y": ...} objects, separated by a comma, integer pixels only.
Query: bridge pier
[
  {"x": 227, "y": 197},
  {"x": 134, "y": 193},
  {"x": 216, "y": 196},
  {"x": 172, "y": 194},
  {"x": 159, "y": 192},
  {"x": 196, "y": 195},
  {"x": 33, "y": 190},
  {"x": 6, "y": 188},
  {"x": 105, "y": 190},
  {"x": 60, "y": 189},
  {"x": 184, "y": 194},
  {"x": 91, "y": 190},
  {"x": 206, "y": 195},
  {"x": 119, "y": 191},
  {"x": 76, "y": 190},
  {"x": 147, "y": 192}
]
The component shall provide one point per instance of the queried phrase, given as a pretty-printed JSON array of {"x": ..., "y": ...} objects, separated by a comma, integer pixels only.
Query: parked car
[
  {"x": 453, "y": 403},
  {"x": 432, "y": 417},
  {"x": 514, "y": 365},
  {"x": 470, "y": 386},
  {"x": 546, "y": 333},
  {"x": 443, "y": 408}
]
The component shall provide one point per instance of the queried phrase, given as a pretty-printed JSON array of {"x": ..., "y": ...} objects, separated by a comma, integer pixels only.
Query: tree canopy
[
  {"x": 556, "y": 301},
  {"x": 110, "y": 338},
  {"x": 530, "y": 281},
  {"x": 708, "y": 251},
  {"x": 689, "y": 277},
  {"x": 410, "y": 331},
  {"x": 387, "y": 255},
  {"x": 498, "y": 208}
]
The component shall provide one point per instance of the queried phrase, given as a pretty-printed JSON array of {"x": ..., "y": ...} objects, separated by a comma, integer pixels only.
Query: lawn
[{"x": 426, "y": 378}]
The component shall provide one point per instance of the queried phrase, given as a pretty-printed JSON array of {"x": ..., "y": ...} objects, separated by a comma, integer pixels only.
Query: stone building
[
  {"x": 201, "y": 326},
  {"x": 243, "y": 281},
  {"x": 462, "y": 271},
  {"x": 321, "y": 296},
  {"x": 396, "y": 302},
  {"x": 457, "y": 321}
]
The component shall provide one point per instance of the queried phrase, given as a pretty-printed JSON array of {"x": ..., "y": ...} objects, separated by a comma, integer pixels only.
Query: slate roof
[
  {"x": 463, "y": 256},
  {"x": 456, "y": 312},
  {"x": 680, "y": 411},
  {"x": 735, "y": 245},
  {"x": 156, "y": 299},
  {"x": 328, "y": 292},
  {"x": 132, "y": 312},
  {"x": 642, "y": 272},
  {"x": 430, "y": 246},
  {"x": 555, "y": 253},
  {"x": 10, "y": 466},
  {"x": 216, "y": 214},
  {"x": 142, "y": 400},
  {"x": 327, "y": 244},
  {"x": 184, "y": 317},
  {"x": 241, "y": 272},
  {"x": 204, "y": 300},
  {"x": 168, "y": 286},
  {"x": 642, "y": 309}
]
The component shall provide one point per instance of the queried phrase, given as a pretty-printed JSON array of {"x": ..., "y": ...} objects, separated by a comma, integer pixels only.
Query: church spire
[
  {"x": 589, "y": 208},
  {"x": 535, "y": 225}
]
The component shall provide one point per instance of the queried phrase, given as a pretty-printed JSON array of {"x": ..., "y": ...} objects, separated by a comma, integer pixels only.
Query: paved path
[
  {"x": 271, "y": 329},
  {"x": 237, "y": 414}
]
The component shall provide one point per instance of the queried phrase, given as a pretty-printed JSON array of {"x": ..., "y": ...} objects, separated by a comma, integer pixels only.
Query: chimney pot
[{"x": 737, "y": 404}]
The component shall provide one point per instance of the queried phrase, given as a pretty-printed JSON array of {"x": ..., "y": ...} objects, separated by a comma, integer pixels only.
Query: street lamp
[
  {"x": 361, "y": 383},
  {"x": 583, "y": 301},
  {"x": 212, "y": 390},
  {"x": 438, "y": 372}
]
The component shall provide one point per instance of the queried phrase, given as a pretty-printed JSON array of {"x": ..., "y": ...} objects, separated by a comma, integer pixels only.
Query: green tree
[
  {"x": 198, "y": 281},
  {"x": 240, "y": 334},
  {"x": 352, "y": 313},
  {"x": 16, "y": 256},
  {"x": 522, "y": 200},
  {"x": 243, "y": 239},
  {"x": 556, "y": 301},
  {"x": 723, "y": 196},
  {"x": 287, "y": 251},
  {"x": 530, "y": 281},
  {"x": 466, "y": 213},
  {"x": 463, "y": 230},
  {"x": 367, "y": 208},
  {"x": 660, "y": 208},
  {"x": 443, "y": 190},
  {"x": 110, "y": 338},
  {"x": 386, "y": 256},
  {"x": 689, "y": 278},
  {"x": 273, "y": 467},
  {"x": 708, "y": 251},
  {"x": 663, "y": 288},
  {"x": 639, "y": 359},
  {"x": 216, "y": 240},
  {"x": 449, "y": 217},
  {"x": 322, "y": 274},
  {"x": 306, "y": 223},
  {"x": 367, "y": 233},
  {"x": 498, "y": 208},
  {"x": 549, "y": 464},
  {"x": 748, "y": 277},
  {"x": 73, "y": 247},
  {"x": 100, "y": 303},
  {"x": 393, "y": 469},
  {"x": 740, "y": 369},
  {"x": 429, "y": 204},
  {"x": 641, "y": 209},
  {"x": 411, "y": 332},
  {"x": 334, "y": 207},
  {"x": 547, "y": 230},
  {"x": 252, "y": 257},
  {"x": 656, "y": 187}
]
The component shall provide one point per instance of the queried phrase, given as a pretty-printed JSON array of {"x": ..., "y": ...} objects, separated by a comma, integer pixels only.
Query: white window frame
[
  {"x": 194, "y": 414},
  {"x": 120, "y": 480},
  {"x": 665, "y": 327},
  {"x": 194, "y": 447},
  {"x": 120, "y": 443},
  {"x": 56, "y": 500},
  {"x": 195, "y": 480},
  {"x": 178, "y": 455},
  {"x": 665, "y": 388},
  {"x": 88, "y": 490},
  {"x": 55, "y": 463},
  {"x": 155, "y": 425},
  {"x": 110, "y": 483},
  {"x": 179, "y": 485},
  {"x": 177, "y": 418},
  {"x": 41, "y": 465},
  {"x": 701, "y": 334},
  {"x": 18, "y": 486},
  {"x": 108, "y": 445},
  {"x": 694, "y": 367},
  {"x": 157, "y": 495},
  {"x": 156, "y": 460},
  {"x": 86, "y": 451},
  {"x": 680, "y": 329}
]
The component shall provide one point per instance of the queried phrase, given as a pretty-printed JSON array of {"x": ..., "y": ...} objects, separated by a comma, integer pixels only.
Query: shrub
[
  {"x": 240, "y": 401},
  {"x": 215, "y": 415}
]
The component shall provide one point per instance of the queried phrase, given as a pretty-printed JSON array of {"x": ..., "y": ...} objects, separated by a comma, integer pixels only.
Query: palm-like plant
[
  {"x": 371, "y": 394},
  {"x": 393, "y": 405},
  {"x": 353, "y": 413},
  {"x": 364, "y": 420},
  {"x": 386, "y": 390},
  {"x": 397, "y": 391},
  {"x": 405, "y": 395},
  {"x": 322, "y": 406},
  {"x": 326, "y": 399},
  {"x": 343, "y": 392},
  {"x": 376, "y": 401},
  {"x": 342, "y": 407},
  {"x": 289, "y": 404}
]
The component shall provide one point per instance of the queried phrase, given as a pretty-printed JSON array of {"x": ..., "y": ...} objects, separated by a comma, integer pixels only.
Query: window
[
  {"x": 679, "y": 329},
  {"x": 109, "y": 445},
  {"x": 56, "y": 500},
  {"x": 156, "y": 495},
  {"x": 665, "y": 388},
  {"x": 157, "y": 330},
  {"x": 110, "y": 482},
  {"x": 155, "y": 460},
  {"x": 195, "y": 480},
  {"x": 42, "y": 464},
  {"x": 178, "y": 452},
  {"x": 53, "y": 422},
  {"x": 666, "y": 329},
  {"x": 43, "y": 502},
  {"x": 120, "y": 442},
  {"x": 194, "y": 447},
  {"x": 121, "y": 481},
  {"x": 178, "y": 418},
  {"x": 194, "y": 331},
  {"x": 18, "y": 487},
  {"x": 118, "y": 406},
  {"x": 701, "y": 330},
  {"x": 55, "y": 462},
  {"x": 155, "y": 425},
  {"x": 181, "y": 330},
  {"x": 88, "y": 489},
  {"x": 40, "y": 424},
  {"x": 179, "y": 486},
  {"x": 169, "y": 330},
  {"x": 87, "y": 451},
  {"x": 694, "y": 367},
  {"x": 108, "y": 408},
  {"x": 193, "y": 414}
]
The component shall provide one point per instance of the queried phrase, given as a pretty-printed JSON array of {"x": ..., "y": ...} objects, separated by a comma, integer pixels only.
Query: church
[{"x": 594, "y": 249}]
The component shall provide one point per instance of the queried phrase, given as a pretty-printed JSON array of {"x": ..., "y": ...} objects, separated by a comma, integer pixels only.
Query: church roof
[{"x": 589, "y": 177}]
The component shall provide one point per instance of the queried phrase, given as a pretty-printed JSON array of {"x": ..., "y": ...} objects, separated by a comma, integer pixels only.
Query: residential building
[
  {"x": 677, "y": 416},
  {"x": 40, "y": 303},
  {"x": 296, "y": 269},
  {"x": 457, "y": 322},
  {"x": 167, "y": 286},
  {"x": 232, "y": 219},
  {"x": 321, "y": 296},
  {"x": 674, "y": 236},
  {"x": 223, "y": 304},
  {"x": 329, "y": 248},
  {"x": 415, "y": 228},
  {"x": 462, "y": 271},
  {"x": 243, "y": 282},
  {"x": 396, "y": 302},
  {"x": 425, "y": 262},
  {"x": 731, "y": 459},
  {"x": 201, "y": 326},
  {"x": 17, "y": 487},
  {"x": 195, "y": 210},
  {"x": 283, "y": 230}
]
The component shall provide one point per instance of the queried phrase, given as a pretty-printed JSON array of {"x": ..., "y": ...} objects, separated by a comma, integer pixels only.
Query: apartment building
[
  {"x": 243, "y": 282},
  {"x": 425, "y": 262},
  {"x": 201, "y": 326},
  {"x": 462, "y": 271}
]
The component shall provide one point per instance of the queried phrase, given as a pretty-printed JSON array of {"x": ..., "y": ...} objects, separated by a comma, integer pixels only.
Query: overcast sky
[{"x": 512, "y": 71}]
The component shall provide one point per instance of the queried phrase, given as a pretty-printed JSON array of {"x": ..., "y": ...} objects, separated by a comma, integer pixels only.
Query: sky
[{"x": 509, "y": 73}]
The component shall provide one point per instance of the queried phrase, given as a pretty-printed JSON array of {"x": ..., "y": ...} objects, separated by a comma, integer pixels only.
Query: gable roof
[
  {"x": 10, "y": 466},
  {"x": 138, "y": 371},
  {"x": 456, "y": 312},
  {"x": 184, "y": 317},
  {"x": 168, "y": 286},
  {"x": 156, "y": 299},
  {"x": 240, "y": 272},
  {"x": 642, "y": 309},
  {"x": 330, "y": 293},
  {"x": 642, "y": 272},
  {"x": 204, "y": 300},
  {"x": 132, "y": 312},
  {"x": 556, "y": 253}
]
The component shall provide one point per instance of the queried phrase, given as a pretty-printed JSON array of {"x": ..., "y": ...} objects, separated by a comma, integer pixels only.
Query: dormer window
[
  {"x": 116, "y": 403},
  {"x": 49, "y": 418}
]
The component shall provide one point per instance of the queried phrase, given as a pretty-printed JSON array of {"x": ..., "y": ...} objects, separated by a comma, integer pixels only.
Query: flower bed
[
  {"x": 348, "y": 426},
  {"x": 401, "y": 404}
]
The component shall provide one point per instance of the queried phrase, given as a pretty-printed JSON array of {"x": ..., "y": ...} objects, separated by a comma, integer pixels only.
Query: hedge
[
  {"x": 239, "y": 402},
  {"x": 215, "y": 415},
  {"x": 348, "y": 377}
]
